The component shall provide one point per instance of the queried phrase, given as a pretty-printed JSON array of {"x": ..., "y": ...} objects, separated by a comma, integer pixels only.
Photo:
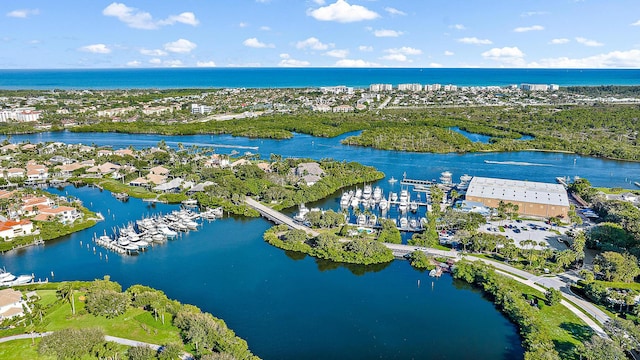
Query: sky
[{"x": 45, "y": 34}]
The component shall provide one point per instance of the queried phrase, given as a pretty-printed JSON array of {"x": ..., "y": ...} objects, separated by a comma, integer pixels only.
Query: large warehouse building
[{"x": 533, "y": 198}]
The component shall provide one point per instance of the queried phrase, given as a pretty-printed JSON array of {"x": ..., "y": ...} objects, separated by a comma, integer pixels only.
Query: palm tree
[{"x": 65, "y": 291}]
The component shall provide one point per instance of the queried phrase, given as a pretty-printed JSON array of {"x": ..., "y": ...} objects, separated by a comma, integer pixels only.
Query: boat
[
  {"x": 373, "y": 220},
  {"x": 302, "y": 213},
  {"x": 366, "y": 193},
  {"x": 8, "y": 279},
  {"x": 190, "y": 202},
  {"x": 358, "y": 193},
  {"x": 345, "y": 199},
  {"x": 413, "y": 206},
  {"x": 413, "y": 223},
  {"x": 123, "y": 196},
  {"x": 393, "y": 180},
  {"x": 636, "y": 183},
  {"x": 355, "y": 202},
  {"x": 394, "y": 196},
  {"x": 377, "y": 194},
  {"x": 362, "y": 220},
  {"x": 384, "y": 204},
  {"x": 404, "y": 222}
]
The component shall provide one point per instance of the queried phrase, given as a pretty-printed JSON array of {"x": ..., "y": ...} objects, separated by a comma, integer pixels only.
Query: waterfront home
[
  {"x": 30, "y": 204},
  {"x": 28, "y": 147},
  {"x": 240, "y": 162},
  {"x": 104, "y": 152},
  {"x": 10, "y": 229},
  {"x": 37, "y": 172},
  {"x": 264, "y": 166},
  {"x": 172, "y": 186},
  {"x": 140, "y": 182},
  {"x": 199, "y": 187},
  {"x": 67, "y": 170},
  {"x": 104, "y": 169},
  {"x": 9, "y": 148},
  {"x": 65, "y": 214},
  {"x": 11, "y": 304},
  {"x": 124, "y": 152},
  {"x": 310, "y": 173}
]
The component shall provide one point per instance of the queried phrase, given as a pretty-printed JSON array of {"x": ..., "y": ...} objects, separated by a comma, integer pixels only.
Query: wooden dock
[
  {"x": 414, "y": 182},
  {"x": 278, "y": 217}
]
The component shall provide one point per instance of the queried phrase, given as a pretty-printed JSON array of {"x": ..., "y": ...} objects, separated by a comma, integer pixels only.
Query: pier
[
  {"x": 277, "y": 217},
  {"x": 414, "y": 182},
  {"x": 400, "y": 250}
]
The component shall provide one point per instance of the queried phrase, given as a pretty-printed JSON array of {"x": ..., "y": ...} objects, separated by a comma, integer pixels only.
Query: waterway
[{"x": 290, "y": 306}]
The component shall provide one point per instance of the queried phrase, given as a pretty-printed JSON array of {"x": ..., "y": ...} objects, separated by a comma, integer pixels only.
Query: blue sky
[{"x": 320, "y": 33}]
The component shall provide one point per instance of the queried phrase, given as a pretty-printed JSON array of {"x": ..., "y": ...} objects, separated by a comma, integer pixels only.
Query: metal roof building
[{"x": 533, "y": 198}]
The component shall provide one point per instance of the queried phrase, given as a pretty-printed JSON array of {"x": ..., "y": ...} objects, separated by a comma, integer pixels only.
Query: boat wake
[{"x": 518, "y": 163}]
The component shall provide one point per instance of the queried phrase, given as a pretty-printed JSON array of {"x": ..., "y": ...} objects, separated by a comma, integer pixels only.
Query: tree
[
  {"x": 578, "y": 244},
  {"x": 71, "y": 343},
  {"x": 598, "y": 348},
  {"x": 141, "y": 352},
  {"x": 170, "y": 352},
  {"x": 617, "y": 267},
  {"x": 65, "y": 292},
  {"x": 553, "y": 296}
]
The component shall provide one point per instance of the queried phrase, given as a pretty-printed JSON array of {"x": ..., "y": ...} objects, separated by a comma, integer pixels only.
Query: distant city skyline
[{"x": 40, "y": 34}]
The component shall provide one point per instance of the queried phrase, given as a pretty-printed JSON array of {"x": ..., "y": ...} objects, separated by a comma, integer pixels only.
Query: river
[{"x": 290, "y": 306}]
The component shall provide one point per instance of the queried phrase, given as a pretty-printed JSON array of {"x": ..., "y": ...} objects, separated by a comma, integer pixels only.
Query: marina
[{"x": 138, "y": 236}]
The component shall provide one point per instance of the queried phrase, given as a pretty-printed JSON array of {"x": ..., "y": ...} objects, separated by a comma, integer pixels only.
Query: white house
[{"x": 10, "y": 304}]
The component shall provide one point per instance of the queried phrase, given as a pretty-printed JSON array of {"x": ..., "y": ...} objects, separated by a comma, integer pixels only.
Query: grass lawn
[
  {"x": 135, "y": 324},
  {"x": 564, "y": 327},
  {"x": 21, "y": 349},
  {"x": 47, "y": 297},
  {"x": 620, "y": 285}
]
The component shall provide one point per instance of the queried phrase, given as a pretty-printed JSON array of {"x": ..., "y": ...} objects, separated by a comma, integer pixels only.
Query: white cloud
[
  {"x": 614, "y": 59},
  {"x": 529, "y": 28},
  {"x": 255, "y": 43},
  {"x": 313, "y": 44},
  {"x": 155, "y": 61},
  {"x": 559, "y": 41},
  {"x": 396, "y": 57},
  {"x": 187, "y": 18},
  {"x": 387, "y": 33},
  {"x": 365, "y": 48},
  {"x": 394, "y": 11},
  {"x": 337, "y": 53},
  {"x": 180, "y": 46},
  {"x": 154, "y": 52},
  {"x": 205, "y": 64},
  {"x": 134, "y": 63},
  {"x": 96, "y": 49},
  {"x": 436, "y": 65},
  {"x": 172, "y": 63},
  {"x": 405, "y": 50},
  {"x": 350, "y": 63},
  {"x": 637, "y": 23},
  {"x": 287, "y": 61},
  {"x": 448, "y": 53},
  {"x": 23, "y": 13},
  {"x": 511, "y": 56},
  {"x": 457, "y": 27},
  {"x": 243, "y": 24},
  {"x": 138, "y": 19},
  {"x": 587, "y": 42},
  {"x": 265, "y": 28},
  {"x": 342, "y": 12},
  {"x": 319, "y": 2},
  {"x": 475, "y": 41}
]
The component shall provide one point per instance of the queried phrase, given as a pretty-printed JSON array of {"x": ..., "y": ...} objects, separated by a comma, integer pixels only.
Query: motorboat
[
  {"x": 366, "y": 193},
  {"x": 377, "y": 194},
  {"x": 394, "y": 196},
  {"x": 413, "y": 206},
  {"x": 373, "y": 220},
  {"x": 355, "y": 202},
  {"x": 384, "y": 205},
  {"x": 345, "y": 199},
  {"x": 362, "y": 219},
  {"x": 358, "y": 193},
  {"x": 302, "y": 213},
  {"x": 404, "y": 222}
]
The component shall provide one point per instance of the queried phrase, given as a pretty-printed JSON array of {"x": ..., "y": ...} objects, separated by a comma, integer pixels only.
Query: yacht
[
  {"x": 393, "y": 180},
  {"x": 373, "y": 220},
  {"x": 366, "y": 193},
  {"x": 384, "y": 204},
  {"x": 413, "y": 223},
  {"x": 377, "y": 194},
  {"x": 358, "y": 193},
  {"x": 302, "y": 213},
  {"x": 355, "y": 201},
  {"x": 362, "y": 220},
  {"x": 394, "y": 196},
  {"x": 345, "y": 199},
  {"x": 413, "y": 206},
  {"x": 404, "y": 222}
]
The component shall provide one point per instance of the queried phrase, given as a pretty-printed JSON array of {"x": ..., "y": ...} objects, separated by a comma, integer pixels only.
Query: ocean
[{"x": 302, "y": 77}]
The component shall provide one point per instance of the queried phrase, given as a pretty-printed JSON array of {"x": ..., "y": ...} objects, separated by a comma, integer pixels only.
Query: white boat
[
  {"x": 358, "y": 193},
  {"x": 366, "y": 193},
  {"x": 190, "y": 202},
  {"x": 394, "y": 196},
  {"x": 377, "y": 194},
  {"x": 404, "y": 222},
  {"x": 373, "y": 220},
  {"x": 362, "y": 220},
  {"x": 123, "y": 241},
  {"x": 393, "y": 180},
  {"x": 345, "y": 200},
  {"x": 302, "y": 213},
  {"x": 413, "y": 206},
  {"x": 413, "y": 223},
  {"x": 190, "y": 224},
  {"x": 384, "y": 204},
  {"x": 164, "y": 229},
  {"x": 404, "y": 196},
  {"x": 355, "y": 202}
]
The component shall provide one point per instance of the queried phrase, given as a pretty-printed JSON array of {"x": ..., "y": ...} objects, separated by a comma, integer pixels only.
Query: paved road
[
  {"x": 559, "y": 282},
  {"x": 278, "y": 216}
]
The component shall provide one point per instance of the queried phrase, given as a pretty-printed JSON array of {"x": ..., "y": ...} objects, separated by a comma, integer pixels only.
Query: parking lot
[{"x": 523, "y": 230}]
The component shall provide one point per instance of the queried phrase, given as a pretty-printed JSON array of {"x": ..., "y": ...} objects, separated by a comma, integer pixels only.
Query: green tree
[
  {"x": 71, "y": 343},
  {"x": 65, "y": 292},
  {"x": 170, "y": 351},
  {"x": 617, "y": 267},
  {"x": 141, "y": 352},
  {"x": 552, "y": 296},
  {"x": 598, "y": 348}
]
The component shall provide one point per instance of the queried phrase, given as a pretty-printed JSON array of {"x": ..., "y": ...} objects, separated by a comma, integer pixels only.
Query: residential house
[
  {"x": 15, "y": 173},
  {"x": 159, "y": 170},
  {"x": 11, "y": 304},
  {"x": 11, "y": 229},
  {"x": 64, "y": 214}
]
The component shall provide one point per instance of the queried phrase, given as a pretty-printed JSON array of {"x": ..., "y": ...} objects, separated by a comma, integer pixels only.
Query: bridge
[
  {"x": 278, "y": 217},
  {"x": 400, "y": 250}
]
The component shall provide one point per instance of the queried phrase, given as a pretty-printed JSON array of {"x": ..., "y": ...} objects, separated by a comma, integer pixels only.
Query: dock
[
  {"x": 400, "y": 250},
  {"x": 278, "y": 217},
  {"x": 414, "y": 182}
]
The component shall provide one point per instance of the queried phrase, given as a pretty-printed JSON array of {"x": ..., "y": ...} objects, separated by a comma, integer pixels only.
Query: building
[
  {"x": 534, "y": 87},
  {"x": 11, "y": 229},
  {"x": 533, "y": 198},
  {"x": 410, "y": 87},
  {"x": 380, "y": 87},
  {"x": 11, "y": 304},
  {"x": 201, "y": 109},
  {"x": 340, "y": 89}
]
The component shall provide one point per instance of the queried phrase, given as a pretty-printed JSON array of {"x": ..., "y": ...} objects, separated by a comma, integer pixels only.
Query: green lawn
[
  {"x": 47, "y": 297},
  {"x": 565, "y": 328},
  {"x": 21, "y": 349},
  {"x": 135, "y": 324}
]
